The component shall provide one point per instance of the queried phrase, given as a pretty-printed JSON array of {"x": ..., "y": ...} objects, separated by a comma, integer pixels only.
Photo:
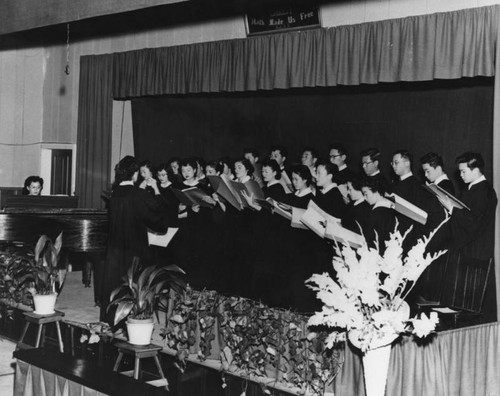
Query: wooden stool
[
  {"x": 41, "y": 320},
  {"x": 139, "y": 352}
]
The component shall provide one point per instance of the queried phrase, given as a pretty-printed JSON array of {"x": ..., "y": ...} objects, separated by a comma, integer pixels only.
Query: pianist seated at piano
[{"x": 33, "y": 186}]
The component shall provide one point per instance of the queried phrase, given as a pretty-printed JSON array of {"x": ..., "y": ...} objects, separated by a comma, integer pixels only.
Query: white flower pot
[
  {"x": 140, "y": 331},
  {"x": 44, "y": 303},
  {"x": 375, "y": 368}
]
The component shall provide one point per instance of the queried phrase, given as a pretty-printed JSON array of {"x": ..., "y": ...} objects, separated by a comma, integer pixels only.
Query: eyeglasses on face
[
  {"x": 367, "y": 163},
  {"x": 335, "y": 155}
]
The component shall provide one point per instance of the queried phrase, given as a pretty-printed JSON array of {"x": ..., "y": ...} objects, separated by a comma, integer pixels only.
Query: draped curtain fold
[
  {"x": 446, "y": 45},
  {"x": 459, "y": 362},
  {"x": 95, "y": 107}
]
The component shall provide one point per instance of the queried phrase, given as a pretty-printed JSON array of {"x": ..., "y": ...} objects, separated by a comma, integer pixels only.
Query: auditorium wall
[{"x": 39, "y": 101}]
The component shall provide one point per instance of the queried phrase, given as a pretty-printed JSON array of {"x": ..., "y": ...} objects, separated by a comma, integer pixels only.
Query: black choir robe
[
  {"x": 357, "y": 216},
  {"x": 274, "y": 191},
  {"x": 132, "y": 211},
  {"x": 447, "y": 185},
  {"x": 381, "y": 223},
  {"x": 331, "y": 202},
  {"x": 473, "y": 231},
  {"x": 344, "y": 175},
  {"x": 296, "y": 201}
]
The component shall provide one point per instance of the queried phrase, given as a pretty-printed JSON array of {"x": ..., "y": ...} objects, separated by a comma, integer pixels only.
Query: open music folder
[
  {"x": 407, "y": 209},
  {"x": 192, "y": 196},
  {"x": 162, "y": 240},
  {"x": 335, "y": 231},
  {"x": 441, "y": 193},
  {"x": 316, "y": 219}
]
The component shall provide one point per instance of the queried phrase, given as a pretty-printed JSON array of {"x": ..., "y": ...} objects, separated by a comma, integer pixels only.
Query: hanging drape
[
  {"x": 446, "y": 45},
  {"x": 95, "y": 108},
  {"x": 443, "y": 45},
  {"x": 458, "y": 362}
]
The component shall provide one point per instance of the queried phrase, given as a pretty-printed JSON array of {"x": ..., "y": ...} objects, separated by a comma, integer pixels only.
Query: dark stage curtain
[
  {"x": 95, "y": 107},
  {"x": 442, "y": 116}
]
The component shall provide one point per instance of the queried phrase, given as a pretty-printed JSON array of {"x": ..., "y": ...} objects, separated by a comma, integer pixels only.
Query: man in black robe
[
  {"x": 473, "y": 231},
  {"x": 370, "y": 163},
  {"x": 132, "y": 211}
]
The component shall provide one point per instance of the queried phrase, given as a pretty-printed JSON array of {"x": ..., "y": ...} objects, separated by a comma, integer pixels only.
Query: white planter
[
  {"x": 140, "y": 331},
  {"x": 44, "y": 303},
  {"x": 375, "y": 368}
]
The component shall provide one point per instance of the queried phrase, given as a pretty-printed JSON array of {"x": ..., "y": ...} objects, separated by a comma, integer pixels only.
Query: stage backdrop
[{"x": 445, "y": 116}]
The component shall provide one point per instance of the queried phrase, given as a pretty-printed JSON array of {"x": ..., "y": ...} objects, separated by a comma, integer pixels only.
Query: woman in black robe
[{"x": 132, "y": 211}]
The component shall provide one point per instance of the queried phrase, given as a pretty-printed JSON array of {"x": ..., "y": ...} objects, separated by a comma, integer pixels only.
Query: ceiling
[{"x": 87, "y": 18}]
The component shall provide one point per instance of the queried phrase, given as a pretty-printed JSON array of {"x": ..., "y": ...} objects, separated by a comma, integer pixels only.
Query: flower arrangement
[{"x": 366, "y": 301}]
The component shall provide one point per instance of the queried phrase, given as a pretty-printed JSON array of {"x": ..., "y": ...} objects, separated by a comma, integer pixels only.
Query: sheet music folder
[
  {"x": 406, "y": 208},
  {"x": 441, "y": 193}
]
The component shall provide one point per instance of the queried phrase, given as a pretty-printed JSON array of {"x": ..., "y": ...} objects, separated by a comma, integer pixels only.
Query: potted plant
[
  {"x": 141, "y": 295},
  {"x": 38, "y": 274}
]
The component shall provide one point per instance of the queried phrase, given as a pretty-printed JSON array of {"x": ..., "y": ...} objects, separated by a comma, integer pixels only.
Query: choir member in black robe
[
  {"x": 167, "y": 255},
  {"x": 253, "y": 156},
  {"x": 358, "y": 211},
  {"x": 279, "y": 154},
  {"x": 473, "y": 231},
  {"x": 370, "y": 163},
  {"x": 432, "y": 166},
  {"x": 301, "y": 180},
  {"x": 408, "y": 187},
  {"x": 338, "y": 156},
  {"x": 309, "y": 158},
  {"x": 329, "y": 197},
  {"x": 132, "y": 211},
  {"x": 382, "y": 217}
]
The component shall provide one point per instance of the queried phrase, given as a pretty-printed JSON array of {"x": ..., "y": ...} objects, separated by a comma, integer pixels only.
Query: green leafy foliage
[
  {"x": 251, "y": 339},
  {"x": 142, "y": 289},
  {"x": 27, "y": 272}
]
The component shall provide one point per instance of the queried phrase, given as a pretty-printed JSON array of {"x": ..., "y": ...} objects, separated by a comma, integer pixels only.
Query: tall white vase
[{"x": 375, "y": 368}]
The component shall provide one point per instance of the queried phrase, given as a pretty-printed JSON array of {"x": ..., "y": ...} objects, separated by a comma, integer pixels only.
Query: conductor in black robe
[{"x": 132, "y": 211}]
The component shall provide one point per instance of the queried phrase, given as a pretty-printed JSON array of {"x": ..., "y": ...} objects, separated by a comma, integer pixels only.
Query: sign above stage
[{"x": 283, "y": 19}]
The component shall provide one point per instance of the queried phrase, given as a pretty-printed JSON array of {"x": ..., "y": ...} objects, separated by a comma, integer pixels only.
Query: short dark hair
[
  {"x": 339, "y": 147},
  {"x": 281, "y": 149},
  {"x": 190, "y": 162},
  {"x": 147, "y": 163},
  {"x": 372, "y": 152},
  {"x": 247, "y": 164},
  {"x": 331, "y": 169},
  {"x": 125, "y": 169},
  {"x": 274, "y": 166},
  {"x": 375, "y": 184},
  {"x": 434, "y": 160},
  {"x": 224, "y": 161},
  {"x": 32, "y": 179},
  {"x": 304, "y": 173},
  {"x": 167, "y": 168},
  {"x": 312, "y": 150},
  {"x": 473, "y": 160},
  {"x": 405, "y": 154},
  {"x": 355, "y": 183},
  {"x": 251, "y": 150}
]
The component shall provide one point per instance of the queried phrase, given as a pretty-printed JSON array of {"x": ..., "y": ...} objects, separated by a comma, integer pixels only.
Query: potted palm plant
[
  {"x": 38, "y": 274},
  {"x": 140, "y": 296}
]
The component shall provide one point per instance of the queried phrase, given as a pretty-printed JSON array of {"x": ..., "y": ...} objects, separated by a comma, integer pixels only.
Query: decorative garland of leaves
[{"x": 250, "y": 339}]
